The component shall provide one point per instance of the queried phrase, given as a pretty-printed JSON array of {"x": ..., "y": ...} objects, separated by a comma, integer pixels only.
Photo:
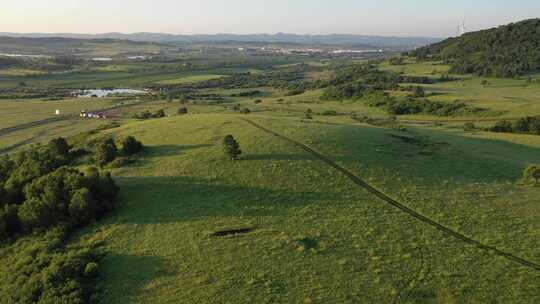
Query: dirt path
[
  {"x": 32, "y": 124},
  {"x": 399, "y": 205}
]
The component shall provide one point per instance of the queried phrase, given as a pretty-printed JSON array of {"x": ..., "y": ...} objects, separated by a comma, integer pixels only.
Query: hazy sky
[{"x": 375, "y": 17}]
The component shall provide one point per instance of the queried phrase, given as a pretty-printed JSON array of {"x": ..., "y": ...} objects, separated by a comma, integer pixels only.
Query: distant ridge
[{"x": 333, "y": 39}]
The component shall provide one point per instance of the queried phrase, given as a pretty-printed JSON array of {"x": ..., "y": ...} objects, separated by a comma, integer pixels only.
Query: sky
[{"x": 434, "y": 18}]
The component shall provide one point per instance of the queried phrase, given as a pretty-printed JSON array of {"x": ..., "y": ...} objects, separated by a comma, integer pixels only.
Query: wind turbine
[{"x": 461, "y": 28}]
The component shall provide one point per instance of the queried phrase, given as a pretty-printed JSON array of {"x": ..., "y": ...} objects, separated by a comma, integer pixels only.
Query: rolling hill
[{"x": 506, "y": 51}]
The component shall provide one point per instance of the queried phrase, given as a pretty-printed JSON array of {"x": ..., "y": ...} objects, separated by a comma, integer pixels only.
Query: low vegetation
[
  {"x": 532, "y": 174},
  {"x": 149, "y": 115},
  {"x": 525, "y": 125}
]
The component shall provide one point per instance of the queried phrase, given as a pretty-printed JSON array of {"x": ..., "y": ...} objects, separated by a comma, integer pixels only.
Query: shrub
[
  {"x": 91, "y": 270},
  {"x": 329, "y": 113},
  {"x": 106, "y": 152},
  {"x": 469, "y": 126},
  {"x": 257, "y": 101},
  {"x": 231, "y": 147},
  {"x": 245, "y": 111},
  {"x": 147, "y": 114},
  {"x": 159, "y": 114},
  {"x": 532, "y": 174},
  {"x": 502, "y": 126},
  {"x": 59, "y": 146},
  {"x": 131, "y": 146},
  {"x": 182, "y": 111}
]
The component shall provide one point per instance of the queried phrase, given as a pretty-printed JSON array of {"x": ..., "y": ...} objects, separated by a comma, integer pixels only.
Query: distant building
[
  {"x": 57, "y": 112},
  {"x": 85, "y": 114}
]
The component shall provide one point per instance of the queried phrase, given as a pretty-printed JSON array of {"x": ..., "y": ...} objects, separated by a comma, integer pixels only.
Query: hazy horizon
[{"x": 302, "y": 17}]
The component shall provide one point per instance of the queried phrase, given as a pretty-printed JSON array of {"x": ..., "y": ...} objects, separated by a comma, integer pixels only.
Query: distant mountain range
[{"x": 334, "y": 39}]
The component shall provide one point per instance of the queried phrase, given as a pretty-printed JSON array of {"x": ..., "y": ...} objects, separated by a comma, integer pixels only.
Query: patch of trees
[
  {"x": 149, "y": 115},
  {"x": 253, "y": 93},
  {"x": 507, "y": 51},
  {"x": 357, "y": 81},
  {"x": 525, "y": 125},
  {"x": 108, "y": 153},
  {"x": 409, "y": 105},
  {"x": 38, "y": 190},
  {"x": 182, "y": 111},
  {"x": 40, "y": 269},
  {"x": 23, "y": 91},
  {"x": 41, "y": 194},
  {"x": 415, "y": 79}
]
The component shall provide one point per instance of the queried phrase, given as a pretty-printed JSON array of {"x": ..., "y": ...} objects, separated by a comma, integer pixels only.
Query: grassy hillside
[{"x": 316, "y": 236}]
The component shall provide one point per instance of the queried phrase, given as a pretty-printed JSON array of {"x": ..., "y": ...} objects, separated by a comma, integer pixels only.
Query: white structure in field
[{"x": 57, "y": 112}]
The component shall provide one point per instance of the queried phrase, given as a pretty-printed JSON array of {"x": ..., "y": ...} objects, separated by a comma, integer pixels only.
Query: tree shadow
[
  {"x": 170, "y": 150},
  {"x": 121, "y": 286},
  {"x": 145, "y": 200}
]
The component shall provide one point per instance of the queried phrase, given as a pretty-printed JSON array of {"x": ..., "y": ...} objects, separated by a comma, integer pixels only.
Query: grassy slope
[
  {"x": 362, "y": 250},
  {"x": 514, "y": 97}
]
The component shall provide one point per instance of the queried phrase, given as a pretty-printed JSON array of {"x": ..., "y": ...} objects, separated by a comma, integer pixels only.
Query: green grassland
[
  {"x": 311, "y": 235},
  {"x": 317, "y": 237}
]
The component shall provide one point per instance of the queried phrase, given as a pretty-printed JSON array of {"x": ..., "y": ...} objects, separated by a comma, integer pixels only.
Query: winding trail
[{"x": 398, "y": 205}]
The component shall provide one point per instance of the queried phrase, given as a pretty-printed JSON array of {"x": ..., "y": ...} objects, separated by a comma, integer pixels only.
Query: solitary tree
[
  {"x": 231, "y": 147},
  {"x": 106, "y": 151},
  {"x": 131, "y": 146}
]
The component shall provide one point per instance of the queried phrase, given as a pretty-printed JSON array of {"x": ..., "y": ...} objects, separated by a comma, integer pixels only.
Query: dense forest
[{"x": 507, "y": 51}]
